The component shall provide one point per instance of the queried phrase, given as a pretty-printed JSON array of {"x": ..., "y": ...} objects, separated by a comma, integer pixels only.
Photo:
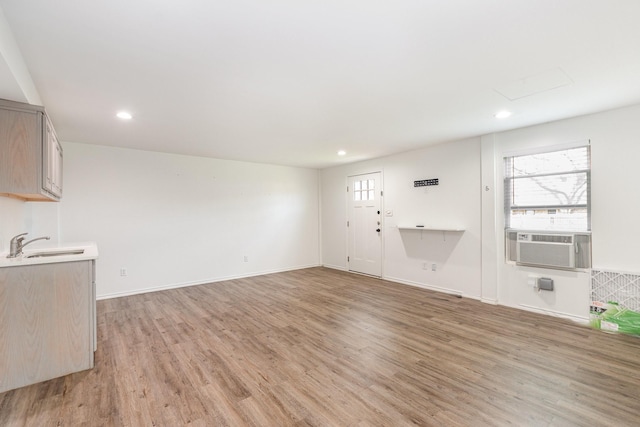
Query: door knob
[{"x": 378, "y": 230}]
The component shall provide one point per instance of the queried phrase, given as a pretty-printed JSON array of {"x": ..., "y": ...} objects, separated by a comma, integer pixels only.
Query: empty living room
[{"x": 319, "y": 213}]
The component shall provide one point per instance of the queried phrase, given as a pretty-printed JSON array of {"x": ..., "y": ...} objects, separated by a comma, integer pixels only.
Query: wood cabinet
[
  {"x": 52, "y": 162},
  {"x": 30, "y": 153},
  {"x": 47, "y": 321}
]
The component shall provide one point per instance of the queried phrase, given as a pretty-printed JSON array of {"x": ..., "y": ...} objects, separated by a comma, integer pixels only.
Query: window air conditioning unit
[{"x": 549, "y": 250}]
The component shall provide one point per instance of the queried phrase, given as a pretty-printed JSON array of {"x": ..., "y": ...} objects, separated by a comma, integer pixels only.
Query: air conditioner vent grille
[
  {"x": 549, "y": 250},
  {"x": 551, "y": 238},
  {"x": 549, "y": 255}
]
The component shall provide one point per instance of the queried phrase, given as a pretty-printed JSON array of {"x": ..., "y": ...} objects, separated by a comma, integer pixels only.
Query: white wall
[
  {"x": 455, "y": 202},
  {"x": 173, "y": 220},
  {"x": 471, "y": 194},
  {"x": 13, "y": 215},
  {"x": 615, "y": 209}
]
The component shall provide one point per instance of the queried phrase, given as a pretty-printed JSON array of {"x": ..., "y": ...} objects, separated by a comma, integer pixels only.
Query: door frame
[{"x": 382, "y": 220}]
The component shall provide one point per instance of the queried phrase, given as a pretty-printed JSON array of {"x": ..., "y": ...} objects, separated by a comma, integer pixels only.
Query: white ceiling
[{"x": 292, "y": 82}]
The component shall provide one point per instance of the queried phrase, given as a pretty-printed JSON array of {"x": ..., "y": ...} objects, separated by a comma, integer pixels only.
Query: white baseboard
[
  {"x": 578, "y": 319},
  {"x": 335, "y": 267},
  {"x": 199, "y": 282},
  {"x": 424, "y": 286}
]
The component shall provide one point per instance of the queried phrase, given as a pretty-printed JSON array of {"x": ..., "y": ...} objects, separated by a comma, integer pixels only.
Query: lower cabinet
[{"x": 47, "y": 321}]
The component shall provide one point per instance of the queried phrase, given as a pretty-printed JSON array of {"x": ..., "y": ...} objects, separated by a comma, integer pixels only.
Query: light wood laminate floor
[{"x": 324, "y": 347}]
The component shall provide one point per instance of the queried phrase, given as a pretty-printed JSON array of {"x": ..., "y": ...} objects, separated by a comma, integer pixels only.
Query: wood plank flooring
[{"x": 328, "y": 348}]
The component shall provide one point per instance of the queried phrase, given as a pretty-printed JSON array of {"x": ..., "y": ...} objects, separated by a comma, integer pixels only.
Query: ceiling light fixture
[
  {"x": 502, "y": 114},
  {"x": 341, "y": 153},
  {"x": 124, "y": 115}
]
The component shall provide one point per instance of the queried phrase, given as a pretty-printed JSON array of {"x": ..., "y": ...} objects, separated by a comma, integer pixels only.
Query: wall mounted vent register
[
  {"x": 621, "y": 287},
  {"x": 549, "y": 250}
]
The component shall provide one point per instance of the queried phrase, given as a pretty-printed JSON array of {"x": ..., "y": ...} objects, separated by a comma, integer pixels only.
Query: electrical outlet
[
  {"x": 434, "y": 267},
  {"x": 246, "y": 258},
  {"x": 123, "y": 272}
]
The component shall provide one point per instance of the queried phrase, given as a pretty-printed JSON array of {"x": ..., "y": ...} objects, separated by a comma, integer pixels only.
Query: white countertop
[{"x": 90, "y": 252}]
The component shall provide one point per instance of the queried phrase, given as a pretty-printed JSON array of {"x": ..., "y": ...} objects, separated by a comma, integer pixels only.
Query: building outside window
[{"x": 549, "y": 191}]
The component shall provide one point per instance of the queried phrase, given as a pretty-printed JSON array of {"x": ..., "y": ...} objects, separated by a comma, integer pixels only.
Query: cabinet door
[
  {"x": 52, "y": 161},
  {"x": 20, "y": 142},
  {"x": 47, "y": 158},
  {"x": 57, "y": 181},
  {"x": 46, "y": 323}
]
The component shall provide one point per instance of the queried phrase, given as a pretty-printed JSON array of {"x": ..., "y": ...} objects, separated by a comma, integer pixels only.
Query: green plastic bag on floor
[{"x": 612, "y": 317}]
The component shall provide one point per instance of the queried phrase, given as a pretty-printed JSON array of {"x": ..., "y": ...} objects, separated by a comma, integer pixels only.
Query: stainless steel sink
[{"x": 55, "y": 253}]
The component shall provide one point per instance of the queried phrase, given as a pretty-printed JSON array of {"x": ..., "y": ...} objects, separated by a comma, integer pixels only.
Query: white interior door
[{"x": 365, "y": 224}]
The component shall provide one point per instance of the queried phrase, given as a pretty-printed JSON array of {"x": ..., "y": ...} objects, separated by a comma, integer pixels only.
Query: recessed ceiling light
[
  {"x": 341, "y": 153},
  {"x": 124, "y": 115},
  {"x": 502, "y": 114}
]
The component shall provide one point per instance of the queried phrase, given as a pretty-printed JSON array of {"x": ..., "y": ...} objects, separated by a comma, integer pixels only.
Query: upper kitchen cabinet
[{"x": 30, "y": 154}]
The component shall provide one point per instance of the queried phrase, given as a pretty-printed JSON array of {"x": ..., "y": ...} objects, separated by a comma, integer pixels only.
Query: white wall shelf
[{"x": 430, "y": 228}]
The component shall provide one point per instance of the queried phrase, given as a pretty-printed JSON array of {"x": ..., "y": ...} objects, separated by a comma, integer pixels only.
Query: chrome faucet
[{"x": 16, "y": 244}]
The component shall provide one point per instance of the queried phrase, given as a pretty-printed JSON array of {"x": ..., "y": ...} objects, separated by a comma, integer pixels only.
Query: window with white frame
[
  {"x": 364, "y": 189},
  {"x": 549, "y": 190}
]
